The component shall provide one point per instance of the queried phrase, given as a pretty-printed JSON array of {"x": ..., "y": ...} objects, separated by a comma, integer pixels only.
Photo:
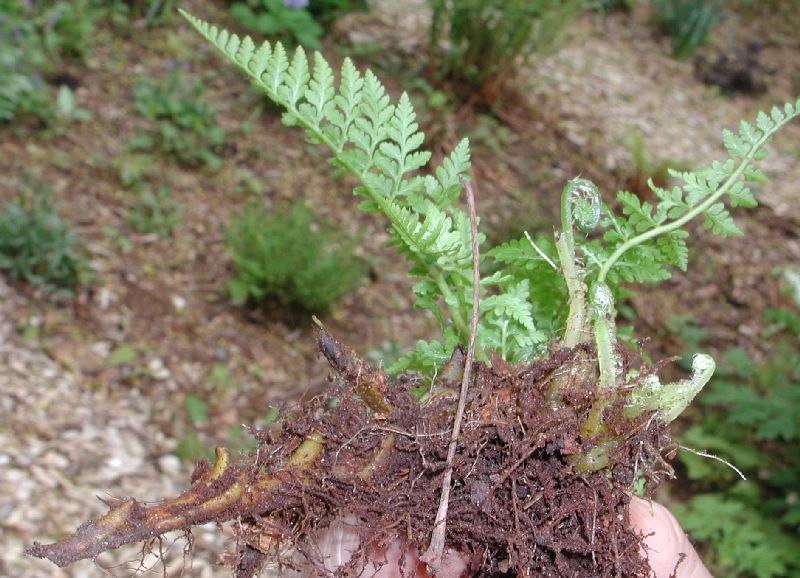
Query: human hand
[
  {"x": 336, "y": 545},
  {"x": 666, "y": 546}
]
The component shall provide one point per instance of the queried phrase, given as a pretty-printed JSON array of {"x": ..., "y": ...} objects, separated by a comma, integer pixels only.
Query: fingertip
[
  {"x": 454, "y": 564},
  {"x": 665, "y": 542}
]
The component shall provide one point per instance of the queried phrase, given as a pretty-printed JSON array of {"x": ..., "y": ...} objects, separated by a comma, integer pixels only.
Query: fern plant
[
  {"x": 296, "y": 478},
  {"x": 379, "y": 143},
  {"x": 646, "y": 241}
]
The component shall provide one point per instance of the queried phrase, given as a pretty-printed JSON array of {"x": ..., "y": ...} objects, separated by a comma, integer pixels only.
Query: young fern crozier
[{"x": 645, "y": 240}]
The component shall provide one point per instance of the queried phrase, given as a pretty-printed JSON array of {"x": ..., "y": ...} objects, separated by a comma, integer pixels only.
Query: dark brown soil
[{"x": 369, "y": 450}]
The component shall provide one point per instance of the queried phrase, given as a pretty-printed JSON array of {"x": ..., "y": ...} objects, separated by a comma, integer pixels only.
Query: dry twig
[{"x": 433, "y": 555}]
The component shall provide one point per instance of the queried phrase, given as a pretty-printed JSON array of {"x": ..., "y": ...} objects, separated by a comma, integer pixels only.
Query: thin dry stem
[{"x": 435, "y": 551}]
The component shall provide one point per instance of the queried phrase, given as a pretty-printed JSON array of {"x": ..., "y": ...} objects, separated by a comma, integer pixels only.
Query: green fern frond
[
  {"x": 703, "y": 192},
  {"x": 379, "y": 142},
  {"x": 427, "y": 356},
  {"x": 509, "y": 328}
]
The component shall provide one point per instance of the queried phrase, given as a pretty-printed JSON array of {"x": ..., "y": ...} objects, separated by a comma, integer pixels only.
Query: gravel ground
[
  {"x": 611, "y": 78},
  {"x": 62, "y": 446}
]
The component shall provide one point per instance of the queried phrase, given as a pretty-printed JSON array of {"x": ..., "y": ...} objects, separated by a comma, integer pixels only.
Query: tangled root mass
[{"x": 370, "y": 451}]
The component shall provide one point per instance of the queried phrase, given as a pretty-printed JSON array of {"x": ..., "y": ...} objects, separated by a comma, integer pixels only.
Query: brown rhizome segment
[{"x": 371, "y": 451}]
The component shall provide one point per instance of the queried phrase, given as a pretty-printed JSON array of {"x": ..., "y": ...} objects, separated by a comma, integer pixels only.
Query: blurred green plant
[
  {"x": 23, "y": 91},
  {"x": 191, "y": 447},
  {"x": 154, "y": 213},
  {"x": 135, "y": 170},
  {"x": 482, "y": 43},
  {"x": 153, "y": 12},
  {"x": 122, "y": 355},
  {"x": 610, "y": 5},
  {"x": 285, "y": 257},
  {"x": 67, "y": 108},
  {"x": 647, "y": 169},
  {"x": 750, "y": 416},
  {"x": 37, "y": 246},
  {"x": 117, "y": 239},
  {"x": 326, "y": 11},
  {"x": 687, "y": 22},
  {"x": 487, "y": 132},
  {"x": 196, "y": 409},
  {"x": 61, "y": 30},
  {"x": 293, "y": 21},
  {"x": 67, "y": 27},
  {"x": 181, "y": 124},
  {"x": 66, "y": 112},
  {"x": 286, "y": 20},
  {"x": 35, "y": 37}
]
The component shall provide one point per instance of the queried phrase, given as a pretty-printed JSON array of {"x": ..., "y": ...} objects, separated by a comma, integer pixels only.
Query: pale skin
[{"x": 664, "y": 540}]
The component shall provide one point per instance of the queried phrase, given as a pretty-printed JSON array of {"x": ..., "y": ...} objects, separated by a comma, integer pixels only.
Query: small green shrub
[
  {"x": 751, "y": 416},
  {"x": 285, "y": 19},
  {"x": 37, "y": 247},
  {"x": 23, "y": 91},
  {"x": 687, "y": 22},
  {"x": 286, "y": 258},
  {"x": 480, "y": 42},
  {"x": 610, "y": 5},
  {"x": 293, "y": 21},
  {"x": 182, "y": 125},
  {"x": 154, "y": 212}
]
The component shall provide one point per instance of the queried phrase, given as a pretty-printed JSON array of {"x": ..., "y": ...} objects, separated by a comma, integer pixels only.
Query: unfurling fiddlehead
[
  {"x": 671, "y": 399},
  {"x": 580, "y": 204}
]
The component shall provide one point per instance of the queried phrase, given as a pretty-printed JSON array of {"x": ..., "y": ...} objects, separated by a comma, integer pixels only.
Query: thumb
[{"x": 665, "y": 542}]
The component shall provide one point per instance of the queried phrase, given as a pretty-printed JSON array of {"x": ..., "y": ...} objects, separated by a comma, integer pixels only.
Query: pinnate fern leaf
[
  {"x": 646, "y": 235},
  {"x": 379, "y": 142}
]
